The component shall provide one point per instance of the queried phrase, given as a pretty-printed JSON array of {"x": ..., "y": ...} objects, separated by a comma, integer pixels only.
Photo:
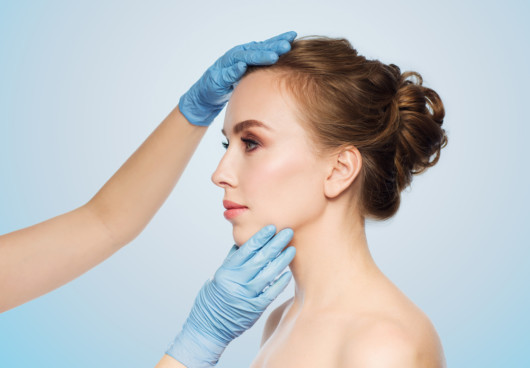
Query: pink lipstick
[{"x": 233, "y": 209}]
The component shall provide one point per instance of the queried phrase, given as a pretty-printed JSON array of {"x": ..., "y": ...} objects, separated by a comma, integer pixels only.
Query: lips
[
  {"x": 233, "y": 209},
  {"x": 229, "y": 205}
]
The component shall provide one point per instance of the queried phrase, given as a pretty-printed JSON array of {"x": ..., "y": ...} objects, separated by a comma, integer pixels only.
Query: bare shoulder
[
  {"x": 390, "y": 343},
  {"x": 273, "y": 320}
]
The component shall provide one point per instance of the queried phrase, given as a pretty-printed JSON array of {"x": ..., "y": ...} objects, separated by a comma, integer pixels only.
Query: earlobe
[{"x": 344, "y": 169}]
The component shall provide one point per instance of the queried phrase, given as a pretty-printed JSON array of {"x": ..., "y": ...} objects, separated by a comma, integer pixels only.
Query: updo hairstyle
[{"x": 345, "y": 99}]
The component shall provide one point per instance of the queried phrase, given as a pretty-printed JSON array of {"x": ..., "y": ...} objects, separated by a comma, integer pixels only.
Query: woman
[
  {"x": 40, "y": 258},
  {"x": 319, "y": 141}
]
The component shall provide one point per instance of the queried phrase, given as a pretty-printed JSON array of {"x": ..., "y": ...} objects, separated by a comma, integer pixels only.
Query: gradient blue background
[{"x": 83, "y": 83}]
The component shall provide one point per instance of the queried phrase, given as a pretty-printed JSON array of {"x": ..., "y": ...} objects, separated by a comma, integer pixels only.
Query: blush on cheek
[
  {"x": 283, "y": 183},
  {"x": 279, "y": 189}
]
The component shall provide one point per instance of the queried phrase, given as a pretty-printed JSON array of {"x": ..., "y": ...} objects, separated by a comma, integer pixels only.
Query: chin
[{"x": 242, "y": 234}]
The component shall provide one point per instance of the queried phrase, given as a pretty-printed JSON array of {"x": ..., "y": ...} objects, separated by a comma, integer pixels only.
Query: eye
[{"x": 250, "y": 142}]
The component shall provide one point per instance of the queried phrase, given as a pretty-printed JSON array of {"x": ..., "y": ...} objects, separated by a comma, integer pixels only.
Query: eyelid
[{"x": 249, "y": 139}]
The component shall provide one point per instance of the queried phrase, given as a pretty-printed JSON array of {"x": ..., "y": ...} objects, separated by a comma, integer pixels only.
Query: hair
[{"x": 345, "y": 99}]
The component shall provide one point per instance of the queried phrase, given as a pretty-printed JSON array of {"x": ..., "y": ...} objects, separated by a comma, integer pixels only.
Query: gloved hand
[
  {"x": 207, "y": 97},
  {"x": 235, "y": 298}
]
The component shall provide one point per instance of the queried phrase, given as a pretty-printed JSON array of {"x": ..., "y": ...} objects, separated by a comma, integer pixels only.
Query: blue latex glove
[
  {"x": 231, "y": 302},
  {"x": 207, "y": 97}
]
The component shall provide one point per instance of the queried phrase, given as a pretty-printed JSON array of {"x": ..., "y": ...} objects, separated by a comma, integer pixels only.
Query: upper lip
[{"x": 229, "y": 205}]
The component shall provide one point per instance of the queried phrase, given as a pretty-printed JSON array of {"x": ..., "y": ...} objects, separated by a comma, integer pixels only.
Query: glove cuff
[
  {"x": 194, "y": 351},
  {"x": 195, "y": 114}
]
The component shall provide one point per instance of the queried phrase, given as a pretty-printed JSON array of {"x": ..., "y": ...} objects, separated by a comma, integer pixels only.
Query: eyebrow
[{"x": 243, "y": 125}]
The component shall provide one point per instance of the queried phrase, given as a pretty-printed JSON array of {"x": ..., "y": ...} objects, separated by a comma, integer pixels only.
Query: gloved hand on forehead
[
  {"x": 207, "y": 97},
  {"x": 233, "y": 300}
]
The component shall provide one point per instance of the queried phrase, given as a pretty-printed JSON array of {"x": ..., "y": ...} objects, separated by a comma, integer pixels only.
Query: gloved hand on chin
[{"x": 231, "y": 302}]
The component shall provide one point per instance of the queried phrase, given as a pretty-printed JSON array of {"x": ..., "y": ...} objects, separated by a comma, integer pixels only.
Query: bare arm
[
  {"x": 42, "y": 257},
  {"x": 169, "y": 362}
]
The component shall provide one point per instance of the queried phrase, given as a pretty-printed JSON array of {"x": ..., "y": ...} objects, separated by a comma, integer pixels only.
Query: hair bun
[
  {"x": 345, "y": 99},
  {"x": 420, "y": 136}
]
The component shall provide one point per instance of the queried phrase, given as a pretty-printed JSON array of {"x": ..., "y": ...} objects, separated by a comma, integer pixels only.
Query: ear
[{"x": 345, "y": 167}]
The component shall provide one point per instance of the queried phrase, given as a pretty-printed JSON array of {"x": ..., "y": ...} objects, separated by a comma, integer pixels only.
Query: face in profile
[{"x": 269, "y": 166}]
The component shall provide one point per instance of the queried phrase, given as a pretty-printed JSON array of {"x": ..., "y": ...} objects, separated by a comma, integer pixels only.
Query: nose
[{"x": 224, "y": 176}]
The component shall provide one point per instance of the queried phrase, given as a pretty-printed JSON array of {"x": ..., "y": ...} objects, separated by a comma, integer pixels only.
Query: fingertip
[
  {"x": 291, "y": 250},
  {"x": 273, "y": 57},
  {"x": 269, "y": 229},
  {"x": 285, "y": 236},
  {"x": 264, "y": 235},
  {"x": 290, "y": 35},
  {"x": 283, "y": 47},
  {"x": 288, "y": 232},
  {"x": 288, "y": 255}
]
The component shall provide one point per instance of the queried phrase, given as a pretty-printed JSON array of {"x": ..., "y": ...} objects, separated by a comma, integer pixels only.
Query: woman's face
[{"x": 272, "y": 169}]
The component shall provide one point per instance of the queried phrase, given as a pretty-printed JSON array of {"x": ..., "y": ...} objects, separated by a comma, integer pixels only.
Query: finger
[
  {"x": 272, "y": 270},
  {"x": 284, "y": 38},
  {"x": 232, "y": 74},
  {"x": 254, "y": 57},
  {"x": 290, "y": 36},
  {"x": 271, "y": 250},
  {"x": 275, "y": 289},
  {"x": 256, "y": 242},
  {"x": 279, "y": 47},
  {"x": 270, "y": 49}
]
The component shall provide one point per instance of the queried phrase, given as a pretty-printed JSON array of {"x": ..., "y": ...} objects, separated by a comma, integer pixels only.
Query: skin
[
  {"x": 169, "y": 362},
  {"x": 345, "y": 311},
  {"x": 42, "y": 257}
]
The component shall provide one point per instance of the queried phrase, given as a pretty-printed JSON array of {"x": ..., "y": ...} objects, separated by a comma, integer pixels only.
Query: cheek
[{"x": 285, "y": 190}]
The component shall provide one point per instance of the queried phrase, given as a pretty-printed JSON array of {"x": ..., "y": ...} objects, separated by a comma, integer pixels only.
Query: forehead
[{"x": 259, "y": 96}]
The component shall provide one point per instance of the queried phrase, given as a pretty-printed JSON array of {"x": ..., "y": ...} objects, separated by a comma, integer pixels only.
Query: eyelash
[{"x": 246, "y": 141}]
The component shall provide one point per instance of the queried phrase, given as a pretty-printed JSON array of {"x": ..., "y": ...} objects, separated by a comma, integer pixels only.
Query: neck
[{"x": 332, "y": 260}]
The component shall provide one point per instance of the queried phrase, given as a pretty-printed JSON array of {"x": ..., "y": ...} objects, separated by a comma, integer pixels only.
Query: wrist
[
  {"x": 194, "y": 350},
  {"x": 195, "y": 113}
]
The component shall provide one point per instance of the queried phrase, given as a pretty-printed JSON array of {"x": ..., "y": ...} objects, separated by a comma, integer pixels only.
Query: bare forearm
[
  {"x": 42, "y": 257},
  {"x": 128, "y": 201},
  {"x": 169, "y": 362}
]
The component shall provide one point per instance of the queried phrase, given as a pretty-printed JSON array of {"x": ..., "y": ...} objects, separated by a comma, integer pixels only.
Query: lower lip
[{"x": 230, "y": 214}]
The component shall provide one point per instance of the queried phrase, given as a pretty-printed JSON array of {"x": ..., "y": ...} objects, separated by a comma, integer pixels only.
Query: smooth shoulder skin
[
  {"x": 386, "y": 344},
  {"x": 40, "y": 258},
  {"x": 349, "y": 341}
]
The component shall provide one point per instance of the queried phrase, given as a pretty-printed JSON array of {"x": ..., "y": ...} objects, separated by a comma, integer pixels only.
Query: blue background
[{"x": 83, "y": 83}]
